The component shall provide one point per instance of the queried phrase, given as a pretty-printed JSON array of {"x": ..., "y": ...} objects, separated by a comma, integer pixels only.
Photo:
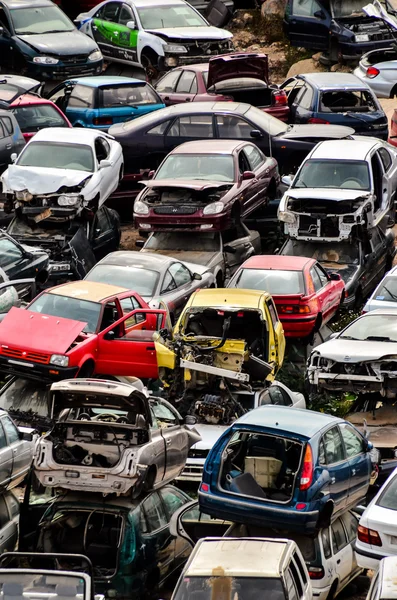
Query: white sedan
[
  {"x": 62, "y": 171},
  {"x": 378, "y": 69}
]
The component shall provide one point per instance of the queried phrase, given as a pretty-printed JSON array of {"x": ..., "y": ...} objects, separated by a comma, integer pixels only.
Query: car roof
[
  {"x": 133, "y": 258},
  {"x": 30, "y": 99},
  {"x": 284, "y": 263},
  {"x": 263, "y": 557},
  {"x": 87, "y": 290},
  {"x": 106, "y": 80},
  {"x": 26, "y": 3},
  {"x": 336, "y": 81},
  {"x": 212, "y": 146},
  {"x": 80, "y": 135},
  {"x": 216, "y": 297},
  {"x": 299, "y": 421},
  {"x": 239, "y": 108},
  {"x": 344, "y": 149}
]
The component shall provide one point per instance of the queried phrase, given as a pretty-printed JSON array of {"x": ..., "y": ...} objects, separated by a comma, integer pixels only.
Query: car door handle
[
  {"x": 338, "y": 562},
  {"x": 353, "y": 471},
  {"x": 333, "y": 480},
  {"x": 150, "y": 348},
  {"x": 95, "y": 28},
  {"x": 168, "y": 442},
  {"x": 8, "y": 146}
]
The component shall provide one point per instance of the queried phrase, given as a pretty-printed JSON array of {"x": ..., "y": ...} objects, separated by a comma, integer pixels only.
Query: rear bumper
[
  {"x": 298, "y": 327},
  {"x": 30, "y": 370},
  {"x": 367, "y": 559}
]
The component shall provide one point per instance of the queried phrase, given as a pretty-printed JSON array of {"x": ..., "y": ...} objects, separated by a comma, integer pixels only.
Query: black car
[
  {"x": 11, "y": 138},
  {"x": 39, "y": 40},
  {"x": 340, "y": 27},
  {"x": 74, "y": 246},
  {"x": 21, "y": 262},
  {"x": 360, "y": 263},
  {"x": 148, "y": 139}
]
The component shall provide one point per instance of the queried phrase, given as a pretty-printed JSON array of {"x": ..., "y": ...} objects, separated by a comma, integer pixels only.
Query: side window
[
  {"x": 172, "y": 500},
  {"x": 316, "y": 279},
  {"x": 199, "y": 126},
  {"x": 128, "y": 305},
  {"x": 4, "y": 20},
  {"x": 168, "y": 283},
  {"x": 278, "y": 396},
  {"x": 273, "y": 312},
  {"x": 322, "y": 458},
  {"x": 290, "y": 585},
  {"x": 326, "y": 542},
  {"x": 322, "y": 275},
  {"x": 8, "y": 126},
  {"x": 301, "y": 568},
  {"x": 376, "y": 239},
  {"x": 81, "y": 97},
  {"x": 59, "y": 97},
  {"x": 180, "y": 274},
  {"x": 185, "y": 82},
  {"x": 350, "y": 523},
  {"x": 9, "y": 252},
  {"x": 305, "y": 100},
  {"x": 154, "y": 514},
  {"x": 10, "y": 429},
  {"x": 3, "y": 439},
  {"x": 255, "y": 157},
  {"x": 354, "y": 443},
  {"x": 125, "y": 15},
  {"x": 295, "y": 575},
  {"x": 2, "y": 133},
  {"x": 243, "y": 164},
  {"x": 110, "y": 315},
  {"x": 13, "y": 504},
  {"x": 385, "y": 158},
  {"x": 305, "y": 8},
  {"x": 165, "y": 417},
  {"x": 110, "y": 12},
  {"x": 168, "y": 82},
  {"x": 4, "y": 516},
  {"x": 102, "y": 149},
  {"x": 159, "y": 129},
  {"x": 232, "y": 127},
  {"x": 339, "y": 539},
  {"x": 333, "y": 446}
]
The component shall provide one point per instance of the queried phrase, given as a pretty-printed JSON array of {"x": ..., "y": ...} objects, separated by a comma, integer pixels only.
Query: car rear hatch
[
  {"x": 237, "y": 66},
  {"x": 357, "y": 108}
]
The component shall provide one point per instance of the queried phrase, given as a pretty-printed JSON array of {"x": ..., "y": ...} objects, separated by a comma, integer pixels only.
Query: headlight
[
  {"x": 45, "y": 60},
  {"x": 174, "y": 48},
  {"x": 96, "y": 55},
  {"x": 68, "y": 200},
  {"x": 59, "y": 360},
  {"x": 286, "y": 217},
  {"x": 24, "y": 195},
  {"x": 140, "y": 208},
  {"x": 214, "y": 208},
  {"x": 363, "y": 37}
]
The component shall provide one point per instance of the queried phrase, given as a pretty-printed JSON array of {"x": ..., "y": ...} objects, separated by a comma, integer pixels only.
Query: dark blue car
[
  {"x": 337, "y": 99},
  {"x": 286, "y": 468}
]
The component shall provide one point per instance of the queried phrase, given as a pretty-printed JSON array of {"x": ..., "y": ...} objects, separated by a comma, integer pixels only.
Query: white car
[
  {"x": 385, "y": 294},
  {"x": 377, "y": 530},
  {"x": 360, "y": 358},
  {"x": 341, "y": 186},
  {"x": 61, "y": 171},
  {"x": 378, "y": 69},
  {"x": 277, "y": 393},
  {"x": 155, "y": 34},
  {"x": 384, "y": 582}
]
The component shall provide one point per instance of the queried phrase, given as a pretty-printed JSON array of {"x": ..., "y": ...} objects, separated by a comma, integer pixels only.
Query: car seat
[
  {"x": 12, "y": 590},
  {"x": 65, "y": 592},
  {"x": 245, "y": 485}
]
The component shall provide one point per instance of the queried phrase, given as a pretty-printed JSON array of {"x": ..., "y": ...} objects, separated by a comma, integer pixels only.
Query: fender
[{"x": 149, "y": 40}]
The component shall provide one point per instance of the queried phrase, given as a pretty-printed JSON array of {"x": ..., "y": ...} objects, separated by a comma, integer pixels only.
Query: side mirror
[
  {"x": 104, "y": 164},
  {"x": 139, "y": 243},
  {"x": 110, "y": 335},
  {"x": 14, "y": 155},
  {"x": 131, "y": 24},
  {"x": 333, "y": 335},
  {"x": 151, "y": 174},
  {"x": 197, "y": 277},
  {"x": 287, "y": 180},
  {"x": 319, "y": 14},
  {"x": 229, "y": 249},
  {"x": 1, "y": 30},
  {"x": 334, "y": 277},
  {"x": 190, "y": 420},
  {"x": 27, "y": 436},
  {"x": 247, "y": 175},
  {"x": 256, "y": 134},
  {"x": 369, "y": 447}
]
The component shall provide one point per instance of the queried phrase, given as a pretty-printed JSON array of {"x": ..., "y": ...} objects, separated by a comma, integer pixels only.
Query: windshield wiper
[
  {"x": 377, "y": 338},
  {"x": 56, "y": 31},
  {"x": 394, "y": 296},
  {"x": 349, "y": 337}
]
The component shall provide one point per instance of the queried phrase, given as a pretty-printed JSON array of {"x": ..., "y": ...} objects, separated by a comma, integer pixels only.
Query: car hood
[
  {"x": 37, "y": 332},
  {"x": 191, "y": 258},
  {"x": 42, "y": 180},
  {"x": 62, "y": 44},
  {"x": 232, "y": 66},
  {"x": 317, "y": 131},
  {"x": 209, "y": 435},
  {"x": 189, "y": 184},
  {"x": 192, "y": 33},
  {"x": 327, "y": 194},
  {"x": 356, "y": 351}
]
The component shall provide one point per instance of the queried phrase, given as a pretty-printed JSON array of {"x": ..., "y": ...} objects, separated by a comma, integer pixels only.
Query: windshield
[
  {"x": 143, "y": 281},
  {"x": 269, "y": 124},
  {"x": 229, "y": 588},
  {"x": 32, "y": 118},
  {"x": 68, "y": 308},
  {"x": 184, "y": 242},
  {"x": 325, "y": 252},
  {"x": 387, "y": 290},
  {"x": 128, "y": 95},
  {"x": 54, "y": 155},
  {"x": 272, "y": 281},
  {"x": 40, "y": 19},
  {"x": 160, "y": 17},
  {"x": 348, "y": 8},
  {"x": 388, "y": 499},
  {"x": 211, "y": 167},
  {"x": 343, "y": 174},
  {"x": 376, "y": 328},
  {"x": 45, "y": 585}
]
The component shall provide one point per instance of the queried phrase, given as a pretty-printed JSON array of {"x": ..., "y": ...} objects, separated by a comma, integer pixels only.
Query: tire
[
  {"x": 359, "y": 298},
  {"x": 393, "y": 93},
  {"x": 332, "y": 591},
  {"x": 149, "y": 61},
  {"x": 87, "y": 369}
]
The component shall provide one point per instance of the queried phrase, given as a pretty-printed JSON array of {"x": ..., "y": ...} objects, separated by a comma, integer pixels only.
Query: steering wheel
[
  {"x": 106, "y": 417},
  {"x": 84, "y": 416},
  {"x": 123, "y": 419},
  {"x": 352, "y": 179}
]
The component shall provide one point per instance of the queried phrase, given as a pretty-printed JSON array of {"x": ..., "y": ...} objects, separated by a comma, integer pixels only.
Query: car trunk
[
  {"x": 263, "y": 466},
  {"x": 247, "y": 90},
  {"x": 378, "y": 56}
]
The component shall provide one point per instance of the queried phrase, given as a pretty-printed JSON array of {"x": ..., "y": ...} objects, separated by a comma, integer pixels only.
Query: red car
[
  {"x": 306, "y": 297},
  {"x": 34, "y": 113},
  {"x": 393, "y": 129},
  {"x": 232, "y": 77},
  {"x": 78, "y": 329}
]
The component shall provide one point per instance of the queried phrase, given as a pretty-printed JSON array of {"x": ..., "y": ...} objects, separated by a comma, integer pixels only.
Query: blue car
[
  {"x": 290, "y": 469},
  {"x": 337, "y": 99},
  {"x": 99, "y": 102}
]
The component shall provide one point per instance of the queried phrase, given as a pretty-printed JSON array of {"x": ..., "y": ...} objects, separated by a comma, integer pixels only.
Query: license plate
[
  {"x": 44, "y": 215},
  {"x": 393, "y": 540}
]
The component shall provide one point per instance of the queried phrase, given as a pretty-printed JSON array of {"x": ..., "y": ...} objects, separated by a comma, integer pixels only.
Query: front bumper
[
  {"x": 195, "y": 222},
  {"x": 346, "y": 382},
  {"x": 354, "y": 51},
  {"x": 63, "y": 71},
  {"x": 170, "y": 61},
  {"x": 30, "y": 370}
]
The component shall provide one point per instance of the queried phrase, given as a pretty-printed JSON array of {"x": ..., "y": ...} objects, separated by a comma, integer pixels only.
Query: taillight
[
  {"x": 368, "y": 536},
  {"x": 316, "y": 572},
  {"x": 290, "y": 309},
  {"x": 102, "y": 121},
  {"x": 372, "y": 72},
  {"x": 280, "y": 97},
  {"x": 307, "y": 469},
  {"x": 318, "y": 121}
]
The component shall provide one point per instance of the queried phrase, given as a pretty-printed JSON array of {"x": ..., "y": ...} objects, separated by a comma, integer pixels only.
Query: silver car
[
  {"x": 156, "y": 278},
  {"x": 16, "y": 452},
  {"x": 378, "y": 69}
]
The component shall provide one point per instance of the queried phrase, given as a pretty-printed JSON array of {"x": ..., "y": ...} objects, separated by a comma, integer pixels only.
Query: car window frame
[
  {"x": 171, "y": 91},
  {"x": 4, "y": 419},
  {"x": 333, "y": 537},
  {"x": 190, "y": 116},
  {"x": 186, "y": 73},
  {"x": 382, "y": 151},
  {"x": 343, "y": 459},
  {"x": 254, "y": 149},
  {"x": 150, "y": 532},
  {"x": 348, "y": 427}
]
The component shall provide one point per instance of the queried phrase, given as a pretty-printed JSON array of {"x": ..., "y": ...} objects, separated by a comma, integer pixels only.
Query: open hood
[
  {"x": 184, "y": 183},
  {"x": 337, "y": 195},
  {"x": 234, "y": 66},
  {"x": 101, "y": 394},
  {"x": 377, "y": 11},
  {"x": 42, "y": 180},
  {"x": 36, "y": 332}
]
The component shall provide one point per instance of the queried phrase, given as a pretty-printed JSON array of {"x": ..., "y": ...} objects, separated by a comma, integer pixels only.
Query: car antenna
[{"x": 270, "y": 146}]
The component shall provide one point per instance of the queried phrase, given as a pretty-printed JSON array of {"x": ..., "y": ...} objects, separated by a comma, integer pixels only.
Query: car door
[
  {"x": 79, "y": 104},
  {"x": 380, "y": 258},
  {"x": 9, "y": 518},
  {"x": 301, "y": 109},
  {"x": 350, "y": 523},
  {"x": 185, "y": 89},
  {"x": 6, "y": 459},
  {"x": 389, "y": 176},
  {"x": 60, "y": 96},
  {"x": 104, "y": 26},
  {"x": 276, "y": 353},
  {"x": 173, "y": 500},
  {"x": 359, "y": 461},
  {"x": 320, "y": 282},
  {"x": 14, "y": 261},
  {"x": 175, "y": 436},
  {"x": 332, "y": 287},
  {"x": 180, "y": 284},
  {"x": 125, "y": 38},
  {"x": 22, "y": 450},
  {"x": 189, "y": 128},
  {"x": 307, "y": 24},
  {"x": 237, "y": 247},
  {"x": 264, "y": 169},
  {"x": 233, "y": 127},
  {"x": 191, "y": 524},
  {"x": 332, "y": 458},
  {"x": 166, "y": 86},
  {"x": 342, "y": 551},
  {"x": 102, "y": 233}
]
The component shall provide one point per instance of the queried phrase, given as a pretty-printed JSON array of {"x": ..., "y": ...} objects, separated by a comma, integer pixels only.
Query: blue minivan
[{"x": 286, "y": 468}]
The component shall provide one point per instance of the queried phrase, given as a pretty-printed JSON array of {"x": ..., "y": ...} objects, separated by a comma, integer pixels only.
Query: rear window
[
  {"x": 347, "y": 101},
  {"x": 271, "y": 280},
  {"x": 33, "y": 118},
  {"x": 389, "y": 497},
  {"x": 128, "y": 95},
  {"x": 306, "y": 545}
]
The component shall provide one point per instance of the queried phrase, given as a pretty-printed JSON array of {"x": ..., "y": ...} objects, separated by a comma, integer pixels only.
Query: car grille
[
  {"x": 36, "y": 357},
  {"x": 352, "y": 369},
  {"x": 208, "y": 48},
  {"x": 328, "y": 227},
  {"x": 175, "y": 210},
  {"x": 74, "y": 59}
]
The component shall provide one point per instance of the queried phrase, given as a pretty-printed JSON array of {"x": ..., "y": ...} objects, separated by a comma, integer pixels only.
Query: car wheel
[
  {"x": 332, "y": 591},
  {"x": 87, "y": 369},
  {"x": 121, "y": 174},
  {"x": 149, "y": 61}
]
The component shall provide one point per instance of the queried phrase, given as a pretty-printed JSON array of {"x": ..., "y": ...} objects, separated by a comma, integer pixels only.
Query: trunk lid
[
  {"x": 383, "y": 520},
  {"x": 234, "y": 66}
]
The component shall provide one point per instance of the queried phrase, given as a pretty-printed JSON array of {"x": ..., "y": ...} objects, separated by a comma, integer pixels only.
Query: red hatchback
[
  {"x": 34, "y": 113},
  {"x": 306, "y": 297}
]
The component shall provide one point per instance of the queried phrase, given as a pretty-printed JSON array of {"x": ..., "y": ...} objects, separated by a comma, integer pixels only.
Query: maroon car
[
  {"x": 206, "y": 185},
  {"x": 232, "y": 77}
]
